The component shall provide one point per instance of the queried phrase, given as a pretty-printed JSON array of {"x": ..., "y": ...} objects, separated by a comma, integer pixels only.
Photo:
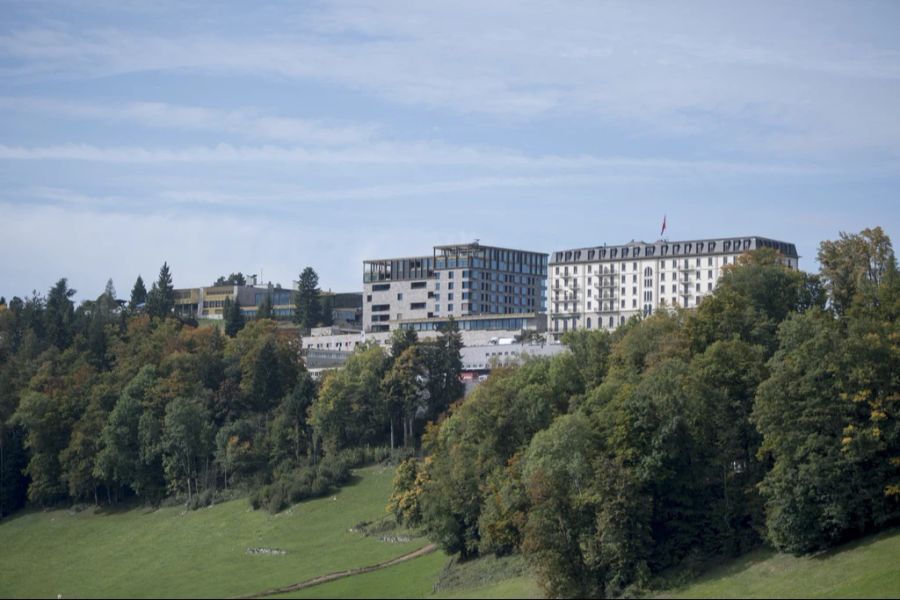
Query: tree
[
  {"x": 234, "y": 317},
  {"x": 119, "y": 461},
  {"x": 161, "y": 299},
  {"x": 60, "y": 314},
  {"x": 752, "y": 298},
  {"x": 138, "y": 294},
  {"x": 348, "y": 411},
  {"x": 306, "y": 300},
  {"x": 186, "y": 442},
  {"x": 444, "y": 363},
  {"x": 404, "y": 392},
  {"x": 40, "y": 415},
  {"x": 291, "y": 432},
  {"x": 265, "y": 309},
  {"x": 855, "y": 265},
  {"x": 401, "y": 339},
  {"x": 811, "y": 490},
  {"x": 233, "y": 279},
  {"x": 561, "y": 523}
]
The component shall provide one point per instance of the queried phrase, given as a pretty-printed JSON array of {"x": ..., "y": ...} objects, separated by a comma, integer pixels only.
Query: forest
[
  {"x": 117, "y": 401},
  {"x": 766, "y": 415}
]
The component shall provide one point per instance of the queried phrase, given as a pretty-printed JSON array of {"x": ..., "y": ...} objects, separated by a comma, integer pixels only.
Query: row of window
[{"x": 710, "y": 247}]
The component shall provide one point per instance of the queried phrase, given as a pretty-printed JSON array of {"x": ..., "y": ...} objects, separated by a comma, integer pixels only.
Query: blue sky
[{"x": 228, "y": 136}]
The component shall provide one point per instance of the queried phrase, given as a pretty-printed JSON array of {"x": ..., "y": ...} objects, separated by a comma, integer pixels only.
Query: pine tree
[
  {"x": 307, "y": 299},
  {"x": 60, "y": 314},
  {"x": 138, "y": 294},
  {"x": 161, "y": 299}
]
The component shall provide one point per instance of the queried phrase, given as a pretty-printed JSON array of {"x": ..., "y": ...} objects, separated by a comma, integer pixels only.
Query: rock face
[{"x": 266, "y": 551}]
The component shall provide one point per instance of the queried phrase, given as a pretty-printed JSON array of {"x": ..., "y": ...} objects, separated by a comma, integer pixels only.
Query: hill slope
[
  {"x": 868, "y": 568},
  {"x": 170, "y": 552}
]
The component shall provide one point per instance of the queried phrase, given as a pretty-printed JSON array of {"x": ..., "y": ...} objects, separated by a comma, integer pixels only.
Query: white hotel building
[{"x": 602, "y": 287}]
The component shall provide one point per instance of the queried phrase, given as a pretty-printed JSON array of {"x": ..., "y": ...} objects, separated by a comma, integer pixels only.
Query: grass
[
  {"x": 868, "y": 568},
  {"x": 434, "y": 576},
  {"x": 176, "y": 553},
  {"x": 412, "y": 579},
  {"x": 141, "y": 552}
]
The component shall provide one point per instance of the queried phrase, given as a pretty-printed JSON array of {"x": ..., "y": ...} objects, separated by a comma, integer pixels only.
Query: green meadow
[
  {"x": 868, "y": 568},
  {"x": 171, "y": 552}
]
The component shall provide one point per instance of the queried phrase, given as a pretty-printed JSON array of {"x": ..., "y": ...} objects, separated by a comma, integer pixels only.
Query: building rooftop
[{"x": 666, "y": 248}]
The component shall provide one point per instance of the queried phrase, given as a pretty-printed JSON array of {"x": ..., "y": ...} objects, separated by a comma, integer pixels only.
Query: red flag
[{"x": 663, "y": 227}]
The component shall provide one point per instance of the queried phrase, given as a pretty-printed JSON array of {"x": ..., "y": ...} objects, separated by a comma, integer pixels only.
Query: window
[
  {"x": 450, "y": 308},
  {"x": 588, "y": 321},
  {"x": 417, "y": 306},
  {"x": 450, "y": 286},
  {"x": 450, "y": 274},
  {"x": 400, "y": 296},
  {"x": 418, "y": 285},
  {"x": 369, "y": 298},
  {"x": 381, "y": 287}
]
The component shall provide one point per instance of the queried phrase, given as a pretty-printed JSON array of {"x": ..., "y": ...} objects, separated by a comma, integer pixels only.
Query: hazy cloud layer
[{"x": 290, "y": 134}]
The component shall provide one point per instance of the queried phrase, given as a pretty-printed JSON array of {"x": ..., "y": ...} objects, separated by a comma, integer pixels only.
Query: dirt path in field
[{"x": 342, "y": 574}]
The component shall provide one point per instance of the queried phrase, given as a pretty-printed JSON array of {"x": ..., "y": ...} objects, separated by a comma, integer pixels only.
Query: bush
[{"x": 307, "y": 482}]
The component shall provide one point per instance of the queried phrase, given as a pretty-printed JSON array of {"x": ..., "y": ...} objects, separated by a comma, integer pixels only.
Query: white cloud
[
  {"x": 764, "y": 76},
  {"x": 247, "y": 123},
  {"x": 421, "y": 154}
]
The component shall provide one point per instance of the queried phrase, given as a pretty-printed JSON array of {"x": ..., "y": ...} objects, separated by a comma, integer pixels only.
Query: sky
[{"x": 267, "y": 137}]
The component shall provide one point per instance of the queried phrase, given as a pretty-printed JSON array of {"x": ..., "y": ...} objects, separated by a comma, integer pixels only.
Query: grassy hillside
[
  {"x": 433, "y": 576},
  {"x": 170, "y": 552},
  {"x": 174, "y": 553},
  {"x": 869, "y": 568}
]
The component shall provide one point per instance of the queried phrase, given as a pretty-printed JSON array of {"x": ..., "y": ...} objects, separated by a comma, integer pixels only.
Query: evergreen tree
[
  {"x": 161, "y": 299},
  {"x": 138, "y": 294},
  {"x": 265, "y": 309},
  {"x": 234, "y": 317},
  {"x": 307, "y": 300},
  {"x": 60, "y": 314}
]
